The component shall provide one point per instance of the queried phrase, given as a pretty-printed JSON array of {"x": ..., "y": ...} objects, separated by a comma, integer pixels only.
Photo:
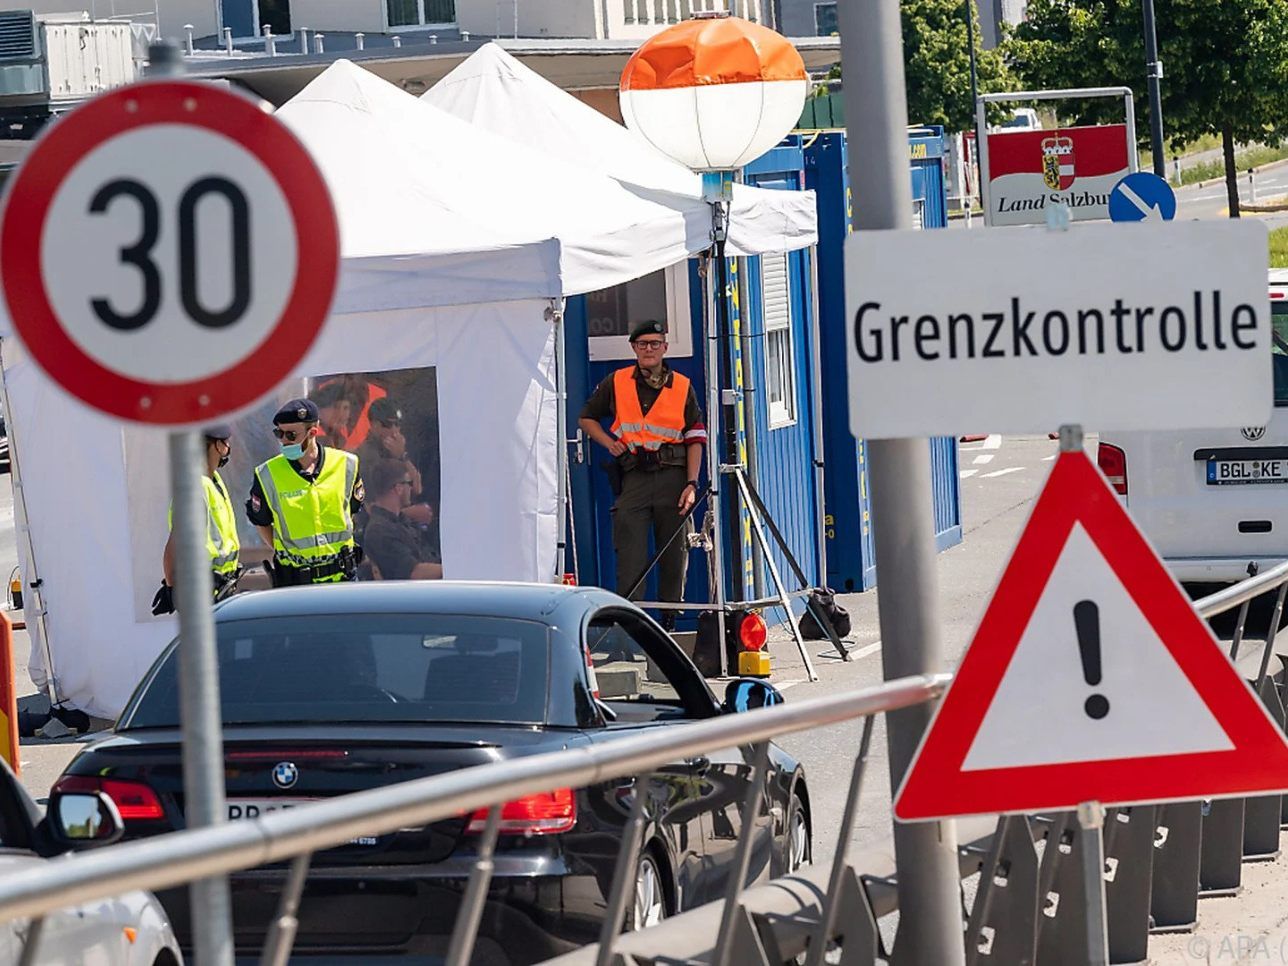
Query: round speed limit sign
[{"x": 168, "y": 252}]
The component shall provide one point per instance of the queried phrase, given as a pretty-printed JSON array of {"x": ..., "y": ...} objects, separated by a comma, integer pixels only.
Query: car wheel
[
  {"x": 798, "y": 849},
  {"x": 648, "y": 907}
]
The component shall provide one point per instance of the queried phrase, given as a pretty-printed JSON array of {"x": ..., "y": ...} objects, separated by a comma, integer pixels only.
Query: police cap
[
  {"x": 297, "y": 411},
  {"x": 219, "y": 431},
  {"x": 386, "y": 411},
  {"x": 651, "y": 327}
]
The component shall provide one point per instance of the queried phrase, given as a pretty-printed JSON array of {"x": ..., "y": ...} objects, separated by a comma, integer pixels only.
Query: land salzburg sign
[{"x": 1078, "y": 166}]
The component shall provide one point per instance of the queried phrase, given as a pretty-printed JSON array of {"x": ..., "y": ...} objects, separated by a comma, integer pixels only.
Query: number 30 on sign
[{"x": 169, "y": 252}]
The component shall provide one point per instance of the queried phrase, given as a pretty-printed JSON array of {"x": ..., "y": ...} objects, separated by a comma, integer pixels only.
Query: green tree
[
  {"x": 936, "y": 58},
  {"x": 1225, "y": 65}
]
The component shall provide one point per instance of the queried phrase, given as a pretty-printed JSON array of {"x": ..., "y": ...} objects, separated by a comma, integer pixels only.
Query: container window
[
  {"x": 780, "y": 365},
  {"x": 611, "y": 312}
]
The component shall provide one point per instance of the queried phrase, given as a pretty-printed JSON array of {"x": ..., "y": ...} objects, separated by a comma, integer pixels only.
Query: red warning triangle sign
[{"x": 1090, "y": 678}]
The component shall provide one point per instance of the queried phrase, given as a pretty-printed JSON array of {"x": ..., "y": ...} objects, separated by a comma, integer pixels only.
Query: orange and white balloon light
[{"x": 714, "y": 93}]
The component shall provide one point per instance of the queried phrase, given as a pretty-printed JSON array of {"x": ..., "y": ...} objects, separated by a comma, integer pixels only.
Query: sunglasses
[
  {"x": 290, "y": 435},
  {"x": 649, "y": 344}
]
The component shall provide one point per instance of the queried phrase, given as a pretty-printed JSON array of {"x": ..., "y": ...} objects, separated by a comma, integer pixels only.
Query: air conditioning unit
[{"x": 51, "y": 62}]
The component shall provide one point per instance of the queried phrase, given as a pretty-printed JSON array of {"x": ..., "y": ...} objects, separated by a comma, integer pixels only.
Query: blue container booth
[
  {"x": 850, "y": 554},
  {"x": 775, "y": 302}
]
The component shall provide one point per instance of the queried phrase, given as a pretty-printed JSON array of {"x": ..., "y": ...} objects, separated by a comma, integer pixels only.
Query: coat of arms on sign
[{"x": 1057, "y": 162}]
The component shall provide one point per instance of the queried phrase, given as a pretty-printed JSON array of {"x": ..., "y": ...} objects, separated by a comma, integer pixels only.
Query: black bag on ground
[{"x": 823, "y": 600}]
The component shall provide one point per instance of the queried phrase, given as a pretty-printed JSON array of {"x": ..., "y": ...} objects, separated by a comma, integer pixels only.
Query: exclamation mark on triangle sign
[{"x": 1086, "y": 618}]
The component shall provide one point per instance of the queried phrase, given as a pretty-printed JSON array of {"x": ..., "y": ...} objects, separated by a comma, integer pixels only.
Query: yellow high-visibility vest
[{"x": 312, "y": 519}]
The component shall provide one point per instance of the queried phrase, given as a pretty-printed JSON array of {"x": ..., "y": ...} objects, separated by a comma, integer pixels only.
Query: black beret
[
  {"x": 297, "y": 411},
  {"x": 651, "y": 327},
  {"x": 219, "y": 431},
  {"x": 385, "y": 410}
]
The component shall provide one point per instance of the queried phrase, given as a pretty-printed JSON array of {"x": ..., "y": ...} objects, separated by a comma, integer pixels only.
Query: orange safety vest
[{"x": 664, "y": 423}]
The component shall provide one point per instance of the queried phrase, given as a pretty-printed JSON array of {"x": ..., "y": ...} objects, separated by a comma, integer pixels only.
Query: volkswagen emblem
[
  {"x": 1253, "y": 433},
  {"x": 285, "y": 774}
]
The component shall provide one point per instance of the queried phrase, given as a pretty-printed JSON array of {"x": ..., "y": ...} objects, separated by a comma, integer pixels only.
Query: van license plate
[{"x": 1227, "y": 472}]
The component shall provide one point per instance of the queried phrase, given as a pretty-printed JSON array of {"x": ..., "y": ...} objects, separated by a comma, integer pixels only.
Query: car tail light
[
  {"x": 289, "y": 754},
  {"x": 546, "y": 814},
  {"x": 136, "y": 801},
  {"x": 1113, "y": 463},
  {"x": 752, "y": 632}
]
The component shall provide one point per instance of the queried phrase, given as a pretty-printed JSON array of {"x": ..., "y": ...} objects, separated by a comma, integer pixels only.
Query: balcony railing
[{"x": 660, "y": 13}]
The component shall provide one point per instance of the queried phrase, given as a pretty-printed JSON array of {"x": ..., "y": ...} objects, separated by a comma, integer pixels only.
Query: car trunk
[
  {"x": 356, "y": 894},
  {"x": 284, "y": 766}
]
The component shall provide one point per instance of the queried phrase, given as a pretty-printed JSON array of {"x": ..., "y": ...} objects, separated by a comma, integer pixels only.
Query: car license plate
[
  {"x": 239, "y": 808},
  {"x": 1227, "y": 472}
]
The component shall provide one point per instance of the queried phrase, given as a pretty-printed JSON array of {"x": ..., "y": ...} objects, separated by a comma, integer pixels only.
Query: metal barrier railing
[
  {"x": 1028, "y": 905},
  {"x": 181, "y": 857}
]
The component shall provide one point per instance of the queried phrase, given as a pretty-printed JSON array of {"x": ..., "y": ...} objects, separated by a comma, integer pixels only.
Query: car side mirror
[
  {"x": 744, "y": 694},
  {"x": 79, "y": 820}
]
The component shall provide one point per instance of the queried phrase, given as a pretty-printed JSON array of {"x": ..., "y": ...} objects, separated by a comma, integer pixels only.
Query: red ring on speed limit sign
[{"x": 262, "y": 365}]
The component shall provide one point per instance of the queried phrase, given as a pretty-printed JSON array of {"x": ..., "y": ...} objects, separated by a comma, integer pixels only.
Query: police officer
[
  {"x": 657, "y": 438},
  {"x": 222, "y": 542},
  {"x": 303, "y": 502}
]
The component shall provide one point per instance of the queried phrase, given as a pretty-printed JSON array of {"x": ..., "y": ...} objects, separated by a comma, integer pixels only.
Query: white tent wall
[{"x": 499, "y": 509}]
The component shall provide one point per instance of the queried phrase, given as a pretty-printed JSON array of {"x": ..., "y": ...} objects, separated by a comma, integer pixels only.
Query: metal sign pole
[
  {"x": 203, "y": 741},
  {"x": 200, "y": 715},
  {"x": 930, "y": 913},
  {"x": 1091, "y": 823},
  {"x": 1154, "y": 66}
]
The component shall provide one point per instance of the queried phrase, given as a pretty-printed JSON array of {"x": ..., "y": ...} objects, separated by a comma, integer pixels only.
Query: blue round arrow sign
[{"x": 1142, "y": 196}]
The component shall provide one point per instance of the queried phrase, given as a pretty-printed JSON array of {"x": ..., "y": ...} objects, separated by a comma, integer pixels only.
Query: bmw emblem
[
  {"x": 1253, "y": 433},
  {"x": 285, "y": 774}
]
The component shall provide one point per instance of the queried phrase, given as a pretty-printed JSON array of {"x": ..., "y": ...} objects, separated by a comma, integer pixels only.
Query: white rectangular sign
[{"x": 1020, "y": 330}]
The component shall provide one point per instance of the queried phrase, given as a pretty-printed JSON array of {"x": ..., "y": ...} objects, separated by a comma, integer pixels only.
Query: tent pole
[
  {"x": 33, "y": 597},
  {"x": 554, "y": 315}
]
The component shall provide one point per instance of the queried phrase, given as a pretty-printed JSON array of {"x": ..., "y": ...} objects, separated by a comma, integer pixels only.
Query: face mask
[
  {"x": 223, "y": 460},
  {"x": 293, "y": 451}
]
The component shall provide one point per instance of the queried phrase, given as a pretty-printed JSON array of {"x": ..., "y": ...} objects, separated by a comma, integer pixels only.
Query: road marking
[
  {"x": 866, "y": 650},
  {"x": 996, "y": 473},
  {"x": 981, "y": 460},
  {"x": 994, "y": 441},
  {"x": 1048, "y": 459},
  {"x": 788, "y": 684},
  {"x": 966, "y": 474}
]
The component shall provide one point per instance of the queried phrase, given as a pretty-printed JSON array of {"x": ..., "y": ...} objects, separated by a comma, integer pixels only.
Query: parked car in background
[
  {"x": 338, "y": 688},
  {"x": 1021, "y": 119},
  {"x": 127, "y": 930},
  {"x": 1214, "y": 502}
]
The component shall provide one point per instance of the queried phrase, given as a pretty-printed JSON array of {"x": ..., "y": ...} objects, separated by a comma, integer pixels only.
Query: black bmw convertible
[{"x": 334, "y": 689}]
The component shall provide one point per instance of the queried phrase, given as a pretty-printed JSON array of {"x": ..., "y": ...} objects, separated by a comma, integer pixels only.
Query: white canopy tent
[
  {"x": 458, "y": 246},
  {"x": 498, "y": 93}
]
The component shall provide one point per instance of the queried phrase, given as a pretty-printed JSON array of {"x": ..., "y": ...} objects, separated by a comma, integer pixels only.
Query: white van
[{"x": 1212, "y": 501}]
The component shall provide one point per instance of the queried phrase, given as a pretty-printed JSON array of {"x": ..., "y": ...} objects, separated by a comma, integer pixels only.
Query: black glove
[{"x": 163, "y": 602}]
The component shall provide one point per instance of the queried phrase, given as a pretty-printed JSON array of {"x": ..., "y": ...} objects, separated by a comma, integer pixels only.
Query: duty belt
[{"x": 318, "y": 569}]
